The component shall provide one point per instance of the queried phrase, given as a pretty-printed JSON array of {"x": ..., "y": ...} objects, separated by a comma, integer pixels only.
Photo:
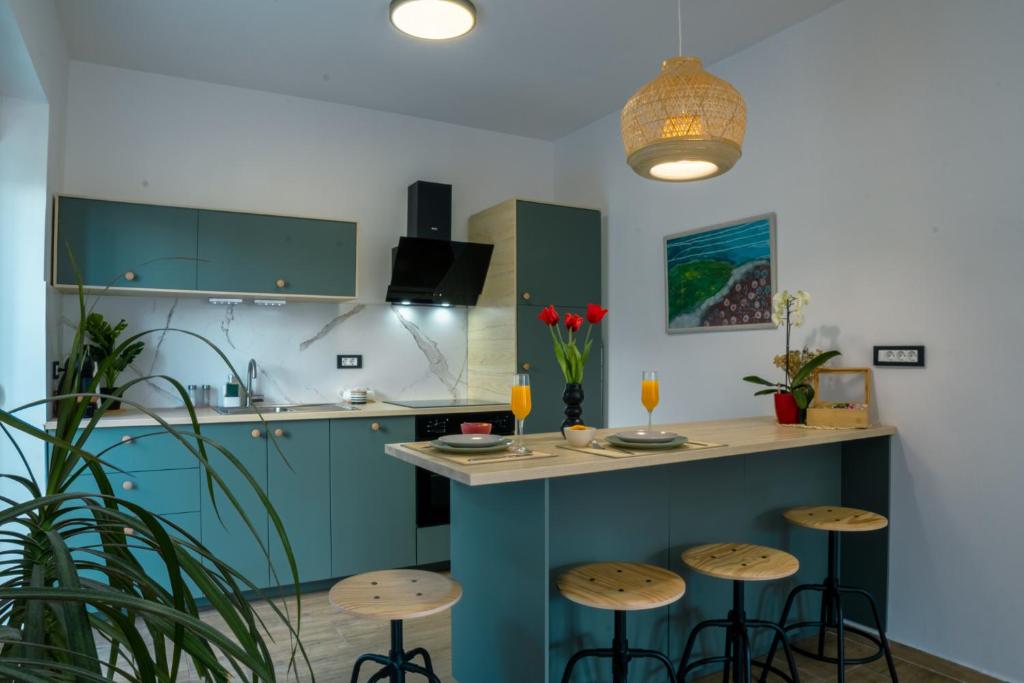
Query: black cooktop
[{"x": 444, "y": 403}]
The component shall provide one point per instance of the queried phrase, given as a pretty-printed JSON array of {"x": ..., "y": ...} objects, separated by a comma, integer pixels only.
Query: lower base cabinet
[
  {"x": 300, "y": 491},
  {"x": 373, "y": 496},
  {"x": 225, "y": 532}
]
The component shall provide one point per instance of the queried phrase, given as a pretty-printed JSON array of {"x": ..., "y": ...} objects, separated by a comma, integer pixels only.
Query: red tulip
[
  {"x": 548, "y": 316},
  {"x": 573, "y": 322},
  {"x": 595, "y": 313}
]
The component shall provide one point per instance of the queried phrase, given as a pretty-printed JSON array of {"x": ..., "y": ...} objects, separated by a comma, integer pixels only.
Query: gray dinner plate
[
  {"x": 646, "y": 436},
  {"x": 466, "y": 450},
  {"x": 647, "y": 446},
  {"x": 471, "y": 440}
]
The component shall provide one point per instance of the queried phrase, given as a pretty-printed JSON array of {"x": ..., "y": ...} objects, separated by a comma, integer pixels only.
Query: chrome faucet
[{"x": 250, "y": 374}]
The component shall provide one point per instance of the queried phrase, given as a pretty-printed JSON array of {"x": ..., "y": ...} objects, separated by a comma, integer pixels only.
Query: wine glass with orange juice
[
  {"x": 521, "y": 406},
  {"x": 649, "y": 393}
]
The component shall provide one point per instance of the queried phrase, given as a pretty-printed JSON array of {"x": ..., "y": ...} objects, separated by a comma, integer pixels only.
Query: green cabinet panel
[
  {"x": 140, "y": 449},
  {"x": 558, "y": 254},
  {"x": 433, "y": 544},
  {"x": 241, "y": 252},
  {"x": 227, "y": 535},
  {"x": 546, "y": 380},
  {"x": 299, "y": 487},
  {"x": 109, "y": 239},
  {"x": 373, "y": 513},
  {"x": 160, "y": 492}
]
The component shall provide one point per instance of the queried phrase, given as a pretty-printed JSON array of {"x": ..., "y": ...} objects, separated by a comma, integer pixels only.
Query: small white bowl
[{"x": 580, "y": 438}]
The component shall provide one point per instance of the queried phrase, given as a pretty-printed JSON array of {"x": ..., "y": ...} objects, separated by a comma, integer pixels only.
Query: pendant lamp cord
[{"x": 679, "y": 7}]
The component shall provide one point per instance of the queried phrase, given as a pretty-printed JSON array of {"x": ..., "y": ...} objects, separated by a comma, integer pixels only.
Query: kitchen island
[{"x": 517, "y": 524}]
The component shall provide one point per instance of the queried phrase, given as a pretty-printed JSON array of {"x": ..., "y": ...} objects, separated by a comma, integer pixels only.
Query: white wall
[
  {"x": 31, "y": 151},
  {"x": 886, "y": 136},
  {"x": 142, "y": 137}
]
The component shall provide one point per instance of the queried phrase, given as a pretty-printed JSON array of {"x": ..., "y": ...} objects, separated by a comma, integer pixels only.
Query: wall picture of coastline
[{"x": 721, "y": 277}]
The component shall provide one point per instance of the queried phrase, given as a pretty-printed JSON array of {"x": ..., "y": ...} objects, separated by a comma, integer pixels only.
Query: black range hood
[{"x": 427, "y": 268}]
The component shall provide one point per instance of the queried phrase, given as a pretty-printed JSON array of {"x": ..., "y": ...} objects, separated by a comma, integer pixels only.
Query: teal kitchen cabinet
[
  {"x": 373, "y": 496},
  {"x": 227, "y": 535},
  {"x": 535, "y": 352},
  {"x": 161, "y": 492},
  {"x": 299, "y": 487},
  {"x": 141, "y": 449},
  {"x": 253, "y": 253},
  {"x": 124, "y": 245},
  {"x": 558, "y": 255}
]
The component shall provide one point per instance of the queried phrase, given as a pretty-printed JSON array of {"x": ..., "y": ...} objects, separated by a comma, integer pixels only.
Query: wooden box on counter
[{"x": 826, "y": 414}]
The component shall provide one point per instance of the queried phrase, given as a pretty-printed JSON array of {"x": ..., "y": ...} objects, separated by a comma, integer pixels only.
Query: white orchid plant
[{"x": 788, "y": 310}]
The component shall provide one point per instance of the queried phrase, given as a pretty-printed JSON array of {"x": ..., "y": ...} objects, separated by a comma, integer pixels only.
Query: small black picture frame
[{"x": 899, "y": 356}]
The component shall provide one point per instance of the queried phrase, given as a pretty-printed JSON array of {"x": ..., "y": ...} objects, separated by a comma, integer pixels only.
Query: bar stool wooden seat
[
  {"x": 396, "y": 595},
  {"x": 620, "y": 587},
  {"x": 836, "y": 520},
  {"x": 739, "y": 563}
]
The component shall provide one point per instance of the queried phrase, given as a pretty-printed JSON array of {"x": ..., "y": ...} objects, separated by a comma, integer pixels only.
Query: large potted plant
[
  {"x": 794, "y": 394},
  {"x": 103, "y": 345},
  {"x": 75, "y": 603},
  {"x": 572, "y": 359}
]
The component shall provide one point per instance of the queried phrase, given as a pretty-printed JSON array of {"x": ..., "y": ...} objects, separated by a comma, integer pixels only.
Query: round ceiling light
[
  {"x": 684, "y": 125},
  {"x": 433, "y": 19}
]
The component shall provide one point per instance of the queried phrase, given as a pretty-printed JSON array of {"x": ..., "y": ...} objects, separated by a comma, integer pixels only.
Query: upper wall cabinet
[
  {"x": 245, "y": 252},
  {"x": 558, "y": 254},
  {"x": 140, "y": 247},
  {"x": 124, "y": 245}
]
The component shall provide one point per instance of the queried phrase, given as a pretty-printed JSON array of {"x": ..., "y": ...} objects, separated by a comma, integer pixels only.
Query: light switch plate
[
  {"x": 899, "y": 356},
  {"x": 350, "y": 361}
]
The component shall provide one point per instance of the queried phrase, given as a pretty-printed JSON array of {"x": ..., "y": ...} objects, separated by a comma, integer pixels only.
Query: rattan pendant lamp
[{"x": 685, "y": 124}]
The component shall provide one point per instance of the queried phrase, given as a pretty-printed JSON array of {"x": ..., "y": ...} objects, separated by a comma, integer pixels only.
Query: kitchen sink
[{"x": 284, "y": 408}]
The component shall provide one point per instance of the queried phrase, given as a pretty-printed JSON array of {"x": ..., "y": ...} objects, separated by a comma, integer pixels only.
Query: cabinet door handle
[
  {"x": 256, "y": 433},
  {"x": 526, "y": 366},
  {"x": 128, "y": 531},
  {"x": 129, "y": 276},
  {"x": 375, "y": 426},
  {"x": 279, "y": 432},
  {"x": 126, "y": 439},
  {"x": 281, "y": 283},
  {"x": 526, "y": 296},
  {"x": 127, "y": 485}
]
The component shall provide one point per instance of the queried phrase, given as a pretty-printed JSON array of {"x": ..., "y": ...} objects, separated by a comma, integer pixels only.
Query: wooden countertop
[
  {"x": 130, "y": 417},
  {"x": 739, "y": 437}
]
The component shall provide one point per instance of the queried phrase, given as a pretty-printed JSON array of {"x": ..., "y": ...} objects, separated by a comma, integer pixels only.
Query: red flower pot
[{"x": 786, "y": 411}]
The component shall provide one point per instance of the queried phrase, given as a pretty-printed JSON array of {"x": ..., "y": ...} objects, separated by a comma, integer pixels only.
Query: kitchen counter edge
[{"x": 179, "y": 416}]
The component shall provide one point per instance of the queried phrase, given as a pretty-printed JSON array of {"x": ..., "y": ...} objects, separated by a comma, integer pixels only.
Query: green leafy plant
[
  {"x": 787, "y": 309},
  {"x": 103, "y": 345},
  {"x": 75, "y": 602}
]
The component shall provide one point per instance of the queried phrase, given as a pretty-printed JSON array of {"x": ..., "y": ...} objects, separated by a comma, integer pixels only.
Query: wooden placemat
[
  {"x": 478, "y": 458},
  {"x": 610, "y": 451}
]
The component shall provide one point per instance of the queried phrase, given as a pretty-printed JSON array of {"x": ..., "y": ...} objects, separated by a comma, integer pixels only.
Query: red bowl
[{"x": 476, "y": 427}]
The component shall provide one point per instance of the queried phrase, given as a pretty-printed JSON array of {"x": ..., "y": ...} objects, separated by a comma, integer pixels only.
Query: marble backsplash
[{"x": 408, "y": 352}]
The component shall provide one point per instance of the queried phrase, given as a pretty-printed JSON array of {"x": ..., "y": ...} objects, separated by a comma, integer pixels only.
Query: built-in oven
[{"x": 433, "y": 492}]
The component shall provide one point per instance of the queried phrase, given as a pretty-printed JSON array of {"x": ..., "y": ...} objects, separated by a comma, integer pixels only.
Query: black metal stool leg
[
  {"x": 786, "y": 609},
  {"x": 691, "y": 641},
  {"x": 582, "y": 654},
  {"x": 654, "y": 654},
  {"x": 363, "y": 659},
  {"x": 620, "y": 650},
  {"x": 417, "y": 669},
  {"x": 420, "y": 652},
  {"x": 883, "y": 641},
  {"x": 728, "y": 658}
]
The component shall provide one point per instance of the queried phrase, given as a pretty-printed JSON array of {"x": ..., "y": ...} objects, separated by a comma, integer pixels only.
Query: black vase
[{"x": 573, "y": 399}]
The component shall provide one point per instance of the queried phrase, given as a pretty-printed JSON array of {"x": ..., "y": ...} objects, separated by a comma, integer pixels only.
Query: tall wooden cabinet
[{"x": 543, "y": 254}]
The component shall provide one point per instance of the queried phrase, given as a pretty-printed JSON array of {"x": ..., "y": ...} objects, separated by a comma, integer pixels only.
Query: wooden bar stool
[
  {"x": 739, "y": 562},
  {"x": 396, "y": 595},
  {"x": 620, "y": 587},
  {"x": 836, "y": 520}
]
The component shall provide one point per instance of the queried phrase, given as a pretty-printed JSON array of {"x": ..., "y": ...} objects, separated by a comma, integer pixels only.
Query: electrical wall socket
[
  {"x": 350, "y": 361},
  {"x": 899, "y": 356}
]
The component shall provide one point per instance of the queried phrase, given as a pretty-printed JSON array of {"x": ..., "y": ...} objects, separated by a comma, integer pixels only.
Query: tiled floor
[{"x": 333, "y": 641}]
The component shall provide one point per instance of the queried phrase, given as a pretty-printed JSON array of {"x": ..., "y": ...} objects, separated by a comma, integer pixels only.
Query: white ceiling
[{"x": 540, "y": 68}]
